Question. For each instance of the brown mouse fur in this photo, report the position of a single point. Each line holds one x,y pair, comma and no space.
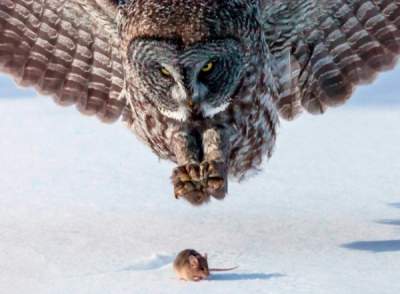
190,265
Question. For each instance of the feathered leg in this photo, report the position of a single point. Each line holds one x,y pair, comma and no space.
186,177
214,166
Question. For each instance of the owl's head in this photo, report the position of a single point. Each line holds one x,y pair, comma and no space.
198,79
186,57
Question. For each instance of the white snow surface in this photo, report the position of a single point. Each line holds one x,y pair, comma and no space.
86,208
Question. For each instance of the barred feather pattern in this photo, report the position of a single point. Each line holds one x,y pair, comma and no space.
294,55
334,46
56,47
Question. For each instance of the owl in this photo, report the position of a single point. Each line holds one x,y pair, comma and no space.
203,83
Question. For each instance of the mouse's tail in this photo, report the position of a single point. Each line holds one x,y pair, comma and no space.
223,269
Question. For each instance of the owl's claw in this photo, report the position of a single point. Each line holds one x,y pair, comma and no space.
197,182
188,184
214,178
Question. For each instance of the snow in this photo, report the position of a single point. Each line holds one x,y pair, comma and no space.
86,208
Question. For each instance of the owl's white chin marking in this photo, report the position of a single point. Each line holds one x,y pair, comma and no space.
183,113
209,110
179,115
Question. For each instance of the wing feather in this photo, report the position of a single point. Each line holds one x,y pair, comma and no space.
65,49
335,46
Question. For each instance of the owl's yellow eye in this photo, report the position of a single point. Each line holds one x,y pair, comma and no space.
208,67
165,72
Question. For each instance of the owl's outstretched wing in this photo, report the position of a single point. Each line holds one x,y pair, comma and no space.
327,48
67,49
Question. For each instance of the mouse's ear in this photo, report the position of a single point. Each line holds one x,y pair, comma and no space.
205,256
194,262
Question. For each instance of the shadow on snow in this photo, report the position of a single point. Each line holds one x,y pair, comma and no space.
393,222
378,245
242,277
375,246
396,204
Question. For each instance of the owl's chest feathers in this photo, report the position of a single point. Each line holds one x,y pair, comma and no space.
249,123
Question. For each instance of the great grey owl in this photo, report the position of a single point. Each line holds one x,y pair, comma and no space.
201,82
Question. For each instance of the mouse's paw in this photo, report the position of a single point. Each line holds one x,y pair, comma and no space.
214,177
188,184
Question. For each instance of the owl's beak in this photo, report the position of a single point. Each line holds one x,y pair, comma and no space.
196,93
192,106
190,103
193,100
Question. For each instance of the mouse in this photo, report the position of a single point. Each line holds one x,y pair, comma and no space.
189,265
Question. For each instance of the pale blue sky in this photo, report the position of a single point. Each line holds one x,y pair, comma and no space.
385,90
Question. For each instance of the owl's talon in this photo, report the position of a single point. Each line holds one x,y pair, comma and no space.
196,183
216,184
214,178
216,188
188,185
197,197
194,172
